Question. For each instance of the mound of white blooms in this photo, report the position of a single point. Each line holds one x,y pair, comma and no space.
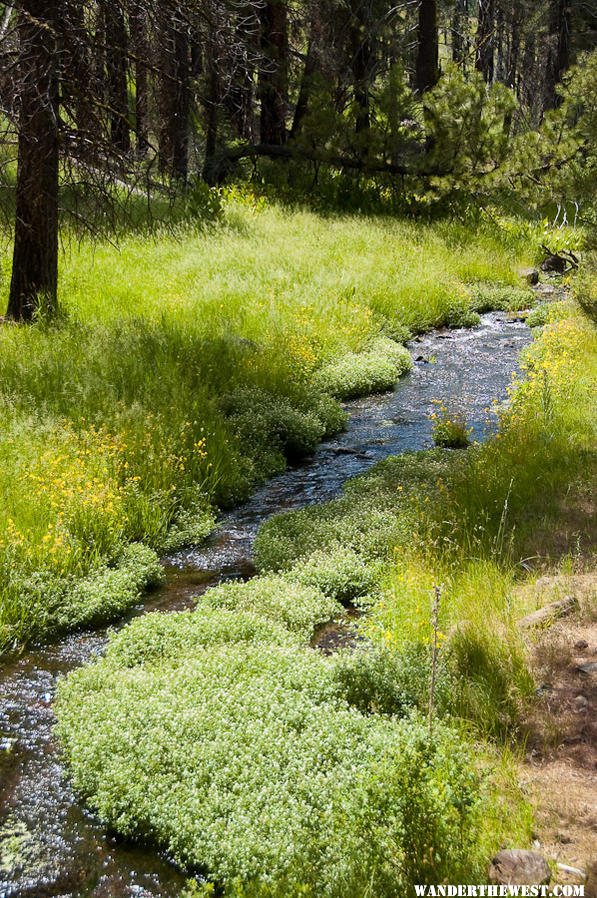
375,370
247,763
299,608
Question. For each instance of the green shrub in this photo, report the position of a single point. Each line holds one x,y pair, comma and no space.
299,608
395,330
501,298
539,316
289,537
331,414
248,766
190,527
460,315
586,288
110,591
449,428
158,638
359,374
338,572
376,512
268,423
55,604
383,680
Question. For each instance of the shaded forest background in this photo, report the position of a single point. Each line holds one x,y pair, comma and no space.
417,108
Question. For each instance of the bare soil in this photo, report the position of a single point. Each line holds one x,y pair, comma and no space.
559,771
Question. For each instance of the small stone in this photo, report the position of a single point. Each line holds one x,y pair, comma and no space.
530,275
581,644
588,669
519,867
580,704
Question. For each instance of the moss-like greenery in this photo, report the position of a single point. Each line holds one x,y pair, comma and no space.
57,604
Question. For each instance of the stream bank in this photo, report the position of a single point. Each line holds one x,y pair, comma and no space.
50,846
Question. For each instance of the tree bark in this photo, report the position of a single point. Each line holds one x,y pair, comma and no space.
211,172
141,53
514,48
362,65
117,69
34,279
485,40
558,54
427,65
176,97
273,76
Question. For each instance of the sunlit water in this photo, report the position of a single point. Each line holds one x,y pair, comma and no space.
49,845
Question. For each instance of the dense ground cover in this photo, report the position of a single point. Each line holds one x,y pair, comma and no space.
186,366
278,771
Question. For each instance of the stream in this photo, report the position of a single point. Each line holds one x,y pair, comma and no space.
50,846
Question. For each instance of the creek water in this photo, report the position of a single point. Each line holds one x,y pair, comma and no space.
50,846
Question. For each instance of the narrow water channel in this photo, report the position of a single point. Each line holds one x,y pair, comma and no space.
50,847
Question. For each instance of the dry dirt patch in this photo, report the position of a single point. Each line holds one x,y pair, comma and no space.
559,771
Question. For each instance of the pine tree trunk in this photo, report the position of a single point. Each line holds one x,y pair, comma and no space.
211,173
273,76
117,67
514,48
35,256
427,64
302,103
182,107
175,96
456,34
362,64
558,51
485,40
141,54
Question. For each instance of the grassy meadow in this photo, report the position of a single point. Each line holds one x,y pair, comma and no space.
273,770
190,363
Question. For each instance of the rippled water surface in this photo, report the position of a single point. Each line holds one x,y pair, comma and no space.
49,846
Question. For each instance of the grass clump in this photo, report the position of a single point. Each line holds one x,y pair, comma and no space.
488,297
300,608
449,428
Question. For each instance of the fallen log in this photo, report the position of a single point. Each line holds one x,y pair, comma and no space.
547,615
